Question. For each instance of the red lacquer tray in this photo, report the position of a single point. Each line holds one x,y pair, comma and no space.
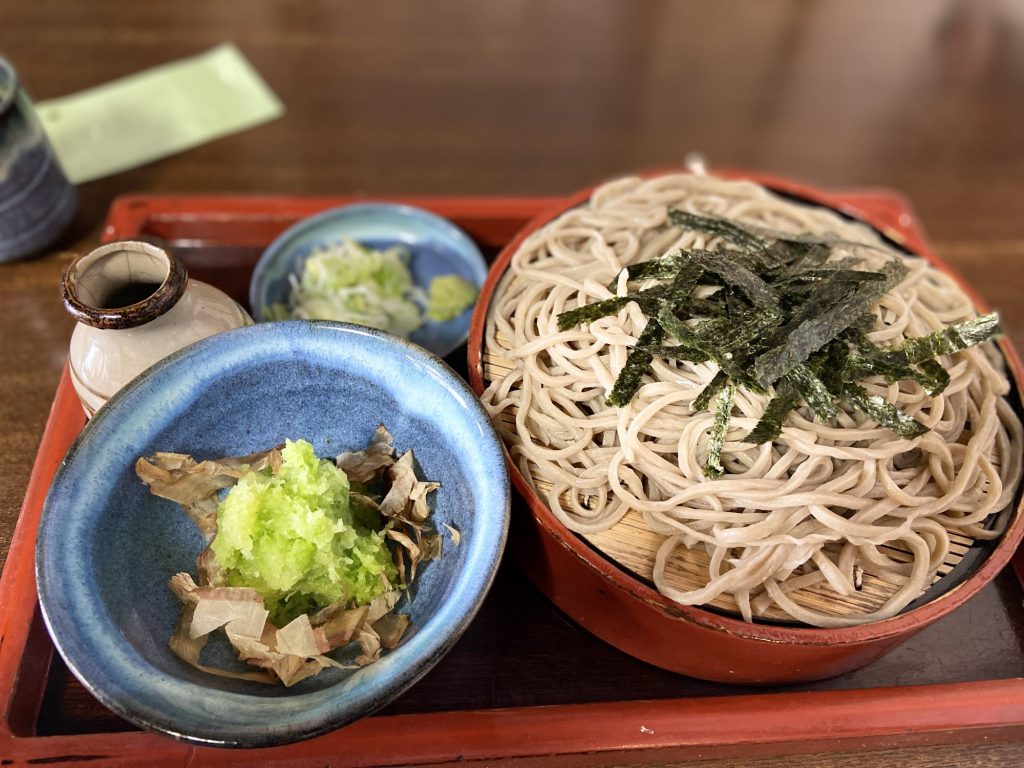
524,685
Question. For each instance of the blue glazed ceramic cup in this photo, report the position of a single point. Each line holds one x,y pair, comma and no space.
36,199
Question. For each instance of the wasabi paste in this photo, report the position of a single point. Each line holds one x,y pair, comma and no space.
449,296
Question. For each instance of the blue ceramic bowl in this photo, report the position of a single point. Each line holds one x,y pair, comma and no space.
437,246
107,547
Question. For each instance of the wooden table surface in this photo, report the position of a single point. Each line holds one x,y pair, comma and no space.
469,98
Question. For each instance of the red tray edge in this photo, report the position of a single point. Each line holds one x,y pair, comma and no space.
758,724
793,722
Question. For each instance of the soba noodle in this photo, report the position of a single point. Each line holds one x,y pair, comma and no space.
824,501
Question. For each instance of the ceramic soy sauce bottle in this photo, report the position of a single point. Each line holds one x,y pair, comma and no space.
135,304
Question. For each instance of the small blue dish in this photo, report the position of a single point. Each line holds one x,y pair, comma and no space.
107,547
437,246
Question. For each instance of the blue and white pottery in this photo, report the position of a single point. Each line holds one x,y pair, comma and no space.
107,547
36,200
437,246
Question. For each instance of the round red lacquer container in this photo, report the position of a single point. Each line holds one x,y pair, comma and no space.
629,614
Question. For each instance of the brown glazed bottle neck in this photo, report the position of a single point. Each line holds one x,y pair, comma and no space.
90,282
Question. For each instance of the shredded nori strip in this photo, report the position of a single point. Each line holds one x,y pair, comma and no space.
816,324
769,426
768,249
808,278
684,283
662,268
776,312
816,256
735,274
866,362
933,377
678,352
738,333
829,365
637,363
713,387
722,340
914,359
718,227
713,466
813,391
953,338
707,308
673,326
884,412
589,312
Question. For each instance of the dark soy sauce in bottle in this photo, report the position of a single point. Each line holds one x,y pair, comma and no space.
128,294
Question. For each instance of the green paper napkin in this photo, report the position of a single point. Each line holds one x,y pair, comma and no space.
156,113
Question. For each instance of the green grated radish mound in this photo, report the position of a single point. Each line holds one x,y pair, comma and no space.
292,537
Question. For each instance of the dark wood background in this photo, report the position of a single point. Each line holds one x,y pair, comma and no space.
528,97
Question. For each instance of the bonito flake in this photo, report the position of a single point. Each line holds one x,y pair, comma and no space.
299,649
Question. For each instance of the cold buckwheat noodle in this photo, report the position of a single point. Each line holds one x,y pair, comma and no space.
825,501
